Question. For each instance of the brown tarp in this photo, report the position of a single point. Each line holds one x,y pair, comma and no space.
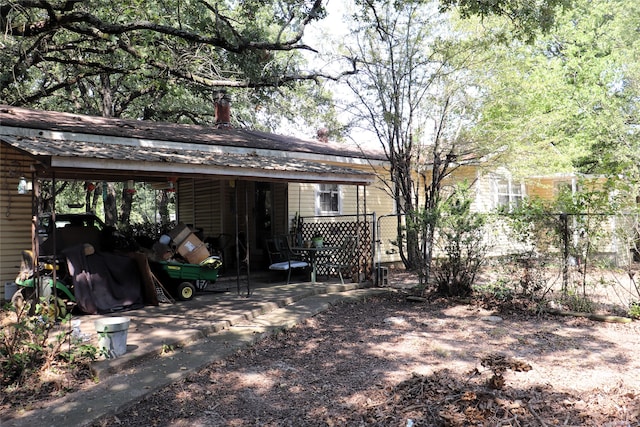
104,282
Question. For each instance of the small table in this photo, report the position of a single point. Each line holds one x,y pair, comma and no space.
312,252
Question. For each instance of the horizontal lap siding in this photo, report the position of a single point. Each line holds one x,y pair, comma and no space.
200,202
15,214
208,206
280,221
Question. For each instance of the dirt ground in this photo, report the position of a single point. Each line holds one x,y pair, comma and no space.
387,361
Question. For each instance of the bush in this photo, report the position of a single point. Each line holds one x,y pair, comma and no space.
498,290
28,346
461,239
634,310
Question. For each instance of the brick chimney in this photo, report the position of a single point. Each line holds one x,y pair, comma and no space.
323,135
223,110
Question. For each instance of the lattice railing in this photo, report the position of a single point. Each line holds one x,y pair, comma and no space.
334,231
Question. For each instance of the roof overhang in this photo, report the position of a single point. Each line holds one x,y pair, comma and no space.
74,158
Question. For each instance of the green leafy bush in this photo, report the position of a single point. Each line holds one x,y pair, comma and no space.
33,341
461,238
634,310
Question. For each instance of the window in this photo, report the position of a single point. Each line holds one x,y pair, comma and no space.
507,192
327,199
564,187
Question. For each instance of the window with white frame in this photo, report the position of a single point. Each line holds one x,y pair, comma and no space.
327,199
507,192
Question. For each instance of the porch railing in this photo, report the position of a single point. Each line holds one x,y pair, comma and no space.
334,231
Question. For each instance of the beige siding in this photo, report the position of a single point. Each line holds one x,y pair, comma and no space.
301,200
484,197
185,201
378,201
381,202
206,204
15,214
542,188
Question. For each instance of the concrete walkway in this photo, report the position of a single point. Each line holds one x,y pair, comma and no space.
170,341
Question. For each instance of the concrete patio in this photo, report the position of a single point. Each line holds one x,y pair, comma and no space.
169,341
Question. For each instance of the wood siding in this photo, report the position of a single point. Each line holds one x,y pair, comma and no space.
15,213
378,201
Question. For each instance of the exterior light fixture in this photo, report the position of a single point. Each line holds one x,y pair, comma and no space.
24,186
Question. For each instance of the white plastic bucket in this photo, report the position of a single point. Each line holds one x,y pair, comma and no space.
112,332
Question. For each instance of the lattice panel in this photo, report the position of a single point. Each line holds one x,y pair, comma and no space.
334,234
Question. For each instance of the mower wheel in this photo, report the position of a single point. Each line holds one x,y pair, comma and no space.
186,291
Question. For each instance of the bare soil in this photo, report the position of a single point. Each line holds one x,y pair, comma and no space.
388,361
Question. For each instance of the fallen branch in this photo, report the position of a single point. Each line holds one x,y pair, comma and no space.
591,316
536,416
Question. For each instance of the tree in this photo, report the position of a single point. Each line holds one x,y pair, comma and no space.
568,102
165,60
153,60
414,90
527,18
462,237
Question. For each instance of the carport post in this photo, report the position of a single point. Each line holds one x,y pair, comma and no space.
54,276
247,249
246,221
35,243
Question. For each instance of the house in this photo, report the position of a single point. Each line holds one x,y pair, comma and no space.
495,187
227,180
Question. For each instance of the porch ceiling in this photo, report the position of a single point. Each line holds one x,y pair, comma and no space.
130,158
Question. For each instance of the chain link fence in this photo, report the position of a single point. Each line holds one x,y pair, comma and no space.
587,255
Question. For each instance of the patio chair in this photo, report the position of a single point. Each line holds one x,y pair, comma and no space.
345,258
282,258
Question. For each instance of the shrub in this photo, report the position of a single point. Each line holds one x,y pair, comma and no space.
634,310
28,345
461,239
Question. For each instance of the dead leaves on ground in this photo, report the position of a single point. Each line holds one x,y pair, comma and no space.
498,364
448,399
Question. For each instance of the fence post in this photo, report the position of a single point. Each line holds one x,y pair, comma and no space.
564,219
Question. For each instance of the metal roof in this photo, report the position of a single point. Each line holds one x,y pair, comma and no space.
85,146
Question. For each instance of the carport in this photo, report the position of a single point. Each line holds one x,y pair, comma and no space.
72,147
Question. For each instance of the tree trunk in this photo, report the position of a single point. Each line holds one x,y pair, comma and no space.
163,206
125,208
97,192
110,208
107,96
